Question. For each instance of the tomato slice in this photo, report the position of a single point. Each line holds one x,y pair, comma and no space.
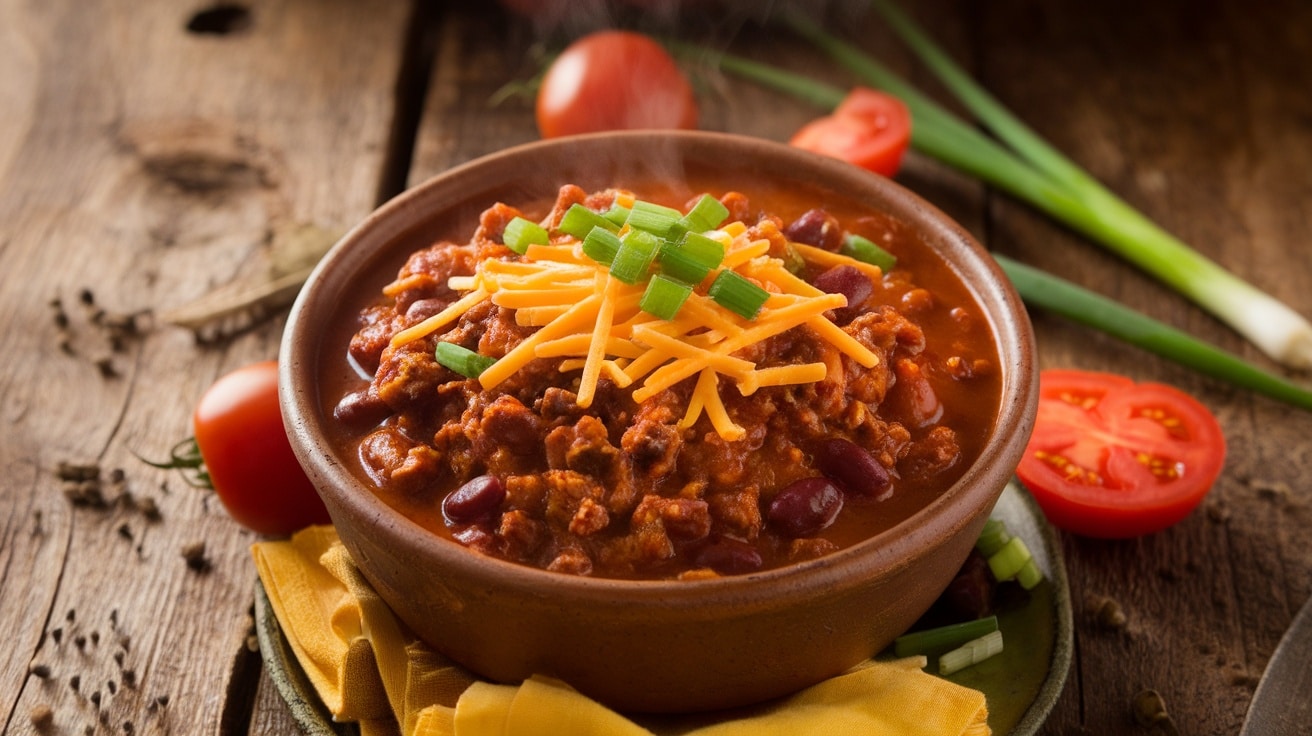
869,128
1114,459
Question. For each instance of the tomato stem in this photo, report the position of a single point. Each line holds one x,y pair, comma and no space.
185,458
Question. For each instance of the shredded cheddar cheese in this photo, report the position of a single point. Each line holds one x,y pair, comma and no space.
591,322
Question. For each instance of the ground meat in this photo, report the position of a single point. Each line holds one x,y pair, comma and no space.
653,441
566,491
520,535
571,561
737,512
937,452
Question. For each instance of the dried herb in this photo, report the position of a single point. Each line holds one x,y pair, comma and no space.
194,554
42,716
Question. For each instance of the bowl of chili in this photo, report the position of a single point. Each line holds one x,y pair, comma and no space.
675,503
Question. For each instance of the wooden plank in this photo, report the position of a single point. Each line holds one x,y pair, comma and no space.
475,53
1194,117
147,164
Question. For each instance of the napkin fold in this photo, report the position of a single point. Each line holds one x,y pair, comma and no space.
367,667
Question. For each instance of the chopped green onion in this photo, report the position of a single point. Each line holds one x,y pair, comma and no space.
865,250
691,258
1040,289
1030,575
579,221
970,653
1007,562
1008,557
601,245
735,293
1037,173
637,250
520,234
653,218
664,296
707,214
464,361
992,537
944,637
617,214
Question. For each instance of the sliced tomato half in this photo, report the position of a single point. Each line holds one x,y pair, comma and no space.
869,128
1112,458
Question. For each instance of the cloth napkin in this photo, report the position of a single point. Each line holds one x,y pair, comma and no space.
367,667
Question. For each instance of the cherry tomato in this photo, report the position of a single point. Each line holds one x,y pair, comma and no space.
239,431
612,80
870,129
1112,458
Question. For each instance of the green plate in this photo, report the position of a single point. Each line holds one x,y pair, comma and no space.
1021,684
1024,681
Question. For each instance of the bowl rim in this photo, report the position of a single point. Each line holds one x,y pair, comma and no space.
835,572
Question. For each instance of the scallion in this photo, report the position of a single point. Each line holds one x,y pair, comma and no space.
601,245
579,221
653,218
664,296
617,214
864,249
1029,575
464,361
1037,173
637,250
706,214
1008,561
521,233
992,538
942,638
691,258
735,293
1042,290
971,653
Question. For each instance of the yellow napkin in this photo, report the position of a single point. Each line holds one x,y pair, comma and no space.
367,667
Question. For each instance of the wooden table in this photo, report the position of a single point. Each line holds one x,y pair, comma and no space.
150,153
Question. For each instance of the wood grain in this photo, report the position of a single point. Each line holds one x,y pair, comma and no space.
146,164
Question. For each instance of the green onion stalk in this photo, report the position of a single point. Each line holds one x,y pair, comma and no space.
1033,171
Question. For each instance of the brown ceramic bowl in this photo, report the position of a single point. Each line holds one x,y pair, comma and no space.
645,646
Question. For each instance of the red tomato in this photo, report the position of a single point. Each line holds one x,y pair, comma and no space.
613,80
239,432
1112,458
870,129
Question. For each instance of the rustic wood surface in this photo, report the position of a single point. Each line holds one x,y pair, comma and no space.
144,163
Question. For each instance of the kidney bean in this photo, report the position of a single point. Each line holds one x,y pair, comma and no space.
422,309
849,282
805,507
852,467
728,556
816,227
912,396
361,408
474,500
